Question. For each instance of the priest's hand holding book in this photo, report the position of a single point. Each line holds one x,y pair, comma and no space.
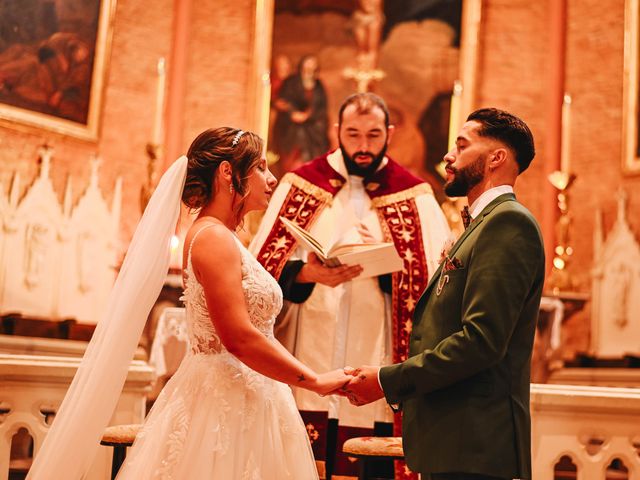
343,262
314,271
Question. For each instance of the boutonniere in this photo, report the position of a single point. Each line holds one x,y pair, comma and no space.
448,265
451,263
446,248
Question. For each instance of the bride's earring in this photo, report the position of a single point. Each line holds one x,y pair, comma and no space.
231,188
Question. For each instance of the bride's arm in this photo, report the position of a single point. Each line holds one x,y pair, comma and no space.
216,261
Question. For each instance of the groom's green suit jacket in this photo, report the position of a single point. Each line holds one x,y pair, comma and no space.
464,390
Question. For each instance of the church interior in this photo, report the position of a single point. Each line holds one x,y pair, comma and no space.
84,143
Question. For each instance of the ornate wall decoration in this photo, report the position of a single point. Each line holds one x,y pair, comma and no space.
58,260
616,289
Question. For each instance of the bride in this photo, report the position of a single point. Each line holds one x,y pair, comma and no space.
228,412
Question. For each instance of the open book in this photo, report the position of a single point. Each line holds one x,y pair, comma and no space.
374,258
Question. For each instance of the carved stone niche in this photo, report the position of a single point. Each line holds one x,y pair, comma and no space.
57,260
615,314
35,374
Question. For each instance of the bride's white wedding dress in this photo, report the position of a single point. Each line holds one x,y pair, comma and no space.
217,418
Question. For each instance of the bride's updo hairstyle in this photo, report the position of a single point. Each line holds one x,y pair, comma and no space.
243,150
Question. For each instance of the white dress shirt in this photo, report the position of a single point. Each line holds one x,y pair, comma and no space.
486,198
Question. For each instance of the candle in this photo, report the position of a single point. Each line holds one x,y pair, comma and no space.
454,114
566,134
157,134
176,252
265,107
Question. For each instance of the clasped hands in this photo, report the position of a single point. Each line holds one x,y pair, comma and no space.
359,385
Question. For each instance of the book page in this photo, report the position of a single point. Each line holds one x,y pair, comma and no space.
343,249
305,238
378,259
375,258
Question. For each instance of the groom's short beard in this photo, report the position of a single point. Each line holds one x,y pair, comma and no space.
464,179
361,171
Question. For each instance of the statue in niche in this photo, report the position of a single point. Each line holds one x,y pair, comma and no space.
620,301
86,252
36,242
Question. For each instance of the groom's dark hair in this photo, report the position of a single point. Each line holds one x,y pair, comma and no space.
508,129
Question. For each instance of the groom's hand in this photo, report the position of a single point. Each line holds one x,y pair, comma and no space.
364,387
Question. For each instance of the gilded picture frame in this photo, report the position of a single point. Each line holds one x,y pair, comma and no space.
53,63
630,113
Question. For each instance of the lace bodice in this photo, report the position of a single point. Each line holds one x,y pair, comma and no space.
262,294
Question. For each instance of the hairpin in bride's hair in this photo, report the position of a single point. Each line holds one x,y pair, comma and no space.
236,139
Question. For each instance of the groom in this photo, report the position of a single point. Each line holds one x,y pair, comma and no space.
464,391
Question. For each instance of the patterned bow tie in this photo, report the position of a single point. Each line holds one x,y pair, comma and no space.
466,216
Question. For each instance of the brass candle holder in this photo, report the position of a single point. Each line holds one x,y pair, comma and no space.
153,152
559,279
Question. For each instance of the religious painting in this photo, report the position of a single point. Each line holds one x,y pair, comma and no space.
631,92
52,63
410,52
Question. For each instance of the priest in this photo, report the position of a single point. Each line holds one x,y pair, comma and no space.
334,318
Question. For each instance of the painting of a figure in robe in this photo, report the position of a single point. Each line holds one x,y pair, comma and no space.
300,127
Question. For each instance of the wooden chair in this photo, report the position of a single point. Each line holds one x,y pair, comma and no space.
372,449
119,437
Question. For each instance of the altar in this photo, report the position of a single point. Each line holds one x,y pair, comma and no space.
35,374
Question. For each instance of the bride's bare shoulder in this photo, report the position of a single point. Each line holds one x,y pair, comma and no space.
212,245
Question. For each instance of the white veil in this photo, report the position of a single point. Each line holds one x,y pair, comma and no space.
72,441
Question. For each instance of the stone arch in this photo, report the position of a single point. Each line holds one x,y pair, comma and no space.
565,467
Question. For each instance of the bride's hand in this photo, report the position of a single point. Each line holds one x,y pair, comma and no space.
329,382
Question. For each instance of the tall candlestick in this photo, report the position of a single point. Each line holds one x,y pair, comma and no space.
158,121
566,134
454,114
265,102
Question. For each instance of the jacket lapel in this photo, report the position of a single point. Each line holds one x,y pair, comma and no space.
472,226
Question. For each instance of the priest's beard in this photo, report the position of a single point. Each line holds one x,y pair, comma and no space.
361,171
464,179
